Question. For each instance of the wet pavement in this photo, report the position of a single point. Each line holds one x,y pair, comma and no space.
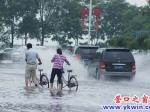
92,93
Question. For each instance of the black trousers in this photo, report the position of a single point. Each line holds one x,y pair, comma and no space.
59,75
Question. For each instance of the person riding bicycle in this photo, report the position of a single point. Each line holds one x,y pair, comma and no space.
58,61
31,58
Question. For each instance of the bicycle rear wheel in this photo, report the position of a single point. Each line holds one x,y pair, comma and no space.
73,83
44,82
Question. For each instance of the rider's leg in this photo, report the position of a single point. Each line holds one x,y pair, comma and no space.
51,85
30,74
30,80
52,78
26,82
61,83
27,75
59,75
34,78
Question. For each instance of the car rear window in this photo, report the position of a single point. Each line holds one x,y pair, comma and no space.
86,50
115,55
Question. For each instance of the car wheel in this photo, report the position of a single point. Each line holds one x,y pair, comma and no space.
97,73
131,77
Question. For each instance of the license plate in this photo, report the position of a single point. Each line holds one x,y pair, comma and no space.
118,67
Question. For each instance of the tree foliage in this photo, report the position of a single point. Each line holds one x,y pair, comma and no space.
121,23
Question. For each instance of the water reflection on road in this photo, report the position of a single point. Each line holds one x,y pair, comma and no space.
91,94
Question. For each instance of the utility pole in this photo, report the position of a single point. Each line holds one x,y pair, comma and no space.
90,18
42,22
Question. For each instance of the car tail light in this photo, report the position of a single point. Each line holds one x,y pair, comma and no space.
78,56
102,65
133,66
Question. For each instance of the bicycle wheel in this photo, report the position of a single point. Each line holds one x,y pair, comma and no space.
73,83
44,82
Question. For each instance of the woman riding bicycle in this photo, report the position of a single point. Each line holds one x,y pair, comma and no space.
58,61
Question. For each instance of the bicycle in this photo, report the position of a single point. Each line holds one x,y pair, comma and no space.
42,80
71,82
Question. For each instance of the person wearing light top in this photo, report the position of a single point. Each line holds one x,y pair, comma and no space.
31,58
58,61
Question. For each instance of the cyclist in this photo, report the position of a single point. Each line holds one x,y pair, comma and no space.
31,58
58,61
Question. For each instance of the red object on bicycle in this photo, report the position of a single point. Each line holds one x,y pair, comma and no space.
78,56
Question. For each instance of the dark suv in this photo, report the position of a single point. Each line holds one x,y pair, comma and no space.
117,62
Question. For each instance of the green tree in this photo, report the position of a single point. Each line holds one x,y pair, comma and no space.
11,13
65,23
71,21
147,43
113,22
29,27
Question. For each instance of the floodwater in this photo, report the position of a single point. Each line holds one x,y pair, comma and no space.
91,96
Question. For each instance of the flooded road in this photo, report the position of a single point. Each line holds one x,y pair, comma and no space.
92,93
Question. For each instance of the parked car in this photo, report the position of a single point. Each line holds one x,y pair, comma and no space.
2,46
6,53
116,62
13,54
8,50
85,53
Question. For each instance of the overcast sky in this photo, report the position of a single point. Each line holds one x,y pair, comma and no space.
137,2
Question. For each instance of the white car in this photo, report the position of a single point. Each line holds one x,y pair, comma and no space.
13,54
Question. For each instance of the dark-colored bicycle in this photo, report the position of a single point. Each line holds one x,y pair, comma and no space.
43,81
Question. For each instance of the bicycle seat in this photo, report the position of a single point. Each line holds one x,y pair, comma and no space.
69,70
40,69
